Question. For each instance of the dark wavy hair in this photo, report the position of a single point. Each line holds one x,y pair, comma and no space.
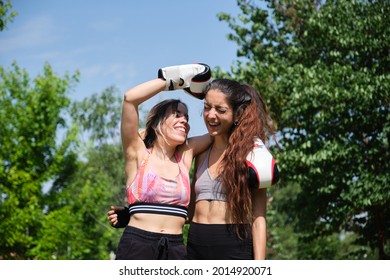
157,115
252,120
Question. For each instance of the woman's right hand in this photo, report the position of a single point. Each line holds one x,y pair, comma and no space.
118,216
112,217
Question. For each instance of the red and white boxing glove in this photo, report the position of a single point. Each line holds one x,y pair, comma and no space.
193,78
263,171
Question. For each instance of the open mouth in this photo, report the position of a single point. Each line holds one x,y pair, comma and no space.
214,124
181,129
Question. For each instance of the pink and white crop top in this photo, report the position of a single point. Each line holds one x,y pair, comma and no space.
151,193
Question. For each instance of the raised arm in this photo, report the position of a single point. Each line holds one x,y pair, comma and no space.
133,145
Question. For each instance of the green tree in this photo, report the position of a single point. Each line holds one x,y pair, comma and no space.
62,167
323,67
76,225
99,116
6,15
31,116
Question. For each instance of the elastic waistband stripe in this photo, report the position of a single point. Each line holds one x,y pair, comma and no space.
163,209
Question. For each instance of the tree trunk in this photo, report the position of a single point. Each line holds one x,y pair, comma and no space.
379,222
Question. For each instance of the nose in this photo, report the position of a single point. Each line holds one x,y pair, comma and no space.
212,113
183,119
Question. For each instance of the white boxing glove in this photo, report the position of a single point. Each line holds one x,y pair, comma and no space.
263,171
193,78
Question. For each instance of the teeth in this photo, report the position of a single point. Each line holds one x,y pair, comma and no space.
213,123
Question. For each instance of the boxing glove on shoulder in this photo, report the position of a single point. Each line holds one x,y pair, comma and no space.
263,170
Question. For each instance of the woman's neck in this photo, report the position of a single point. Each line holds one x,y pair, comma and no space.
164,153
220,143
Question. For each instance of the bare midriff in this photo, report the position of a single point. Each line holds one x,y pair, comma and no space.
211,212
158,223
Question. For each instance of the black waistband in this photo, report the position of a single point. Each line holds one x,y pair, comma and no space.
142,235
158,208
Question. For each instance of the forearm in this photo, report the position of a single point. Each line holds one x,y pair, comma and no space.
144,91
259,233
259,227
130,118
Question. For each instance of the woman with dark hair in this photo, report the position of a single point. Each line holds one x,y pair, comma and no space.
229,216
157,167
229,198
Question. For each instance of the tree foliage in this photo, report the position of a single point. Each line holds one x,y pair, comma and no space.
323,67
6,15
99,116
31,116
55,189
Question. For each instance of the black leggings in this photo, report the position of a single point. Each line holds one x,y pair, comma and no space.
138,244
218,242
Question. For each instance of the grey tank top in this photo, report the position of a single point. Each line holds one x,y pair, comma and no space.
205,187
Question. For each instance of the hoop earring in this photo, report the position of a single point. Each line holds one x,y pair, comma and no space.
236,122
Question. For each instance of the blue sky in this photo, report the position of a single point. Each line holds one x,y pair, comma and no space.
121,43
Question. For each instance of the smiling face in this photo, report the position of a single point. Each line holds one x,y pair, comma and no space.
217,113
175,127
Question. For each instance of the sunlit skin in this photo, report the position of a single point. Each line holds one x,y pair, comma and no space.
171,137
218,117
175,130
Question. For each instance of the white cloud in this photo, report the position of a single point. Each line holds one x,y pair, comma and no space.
117,73
37,32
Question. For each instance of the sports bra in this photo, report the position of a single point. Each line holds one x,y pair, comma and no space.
205,187
151,193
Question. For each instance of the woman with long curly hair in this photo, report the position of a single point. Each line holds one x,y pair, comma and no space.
229,199
229,215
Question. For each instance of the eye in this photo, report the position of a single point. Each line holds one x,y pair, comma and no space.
179,114
221,110
206,108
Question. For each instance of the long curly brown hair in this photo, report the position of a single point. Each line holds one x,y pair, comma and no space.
252,120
